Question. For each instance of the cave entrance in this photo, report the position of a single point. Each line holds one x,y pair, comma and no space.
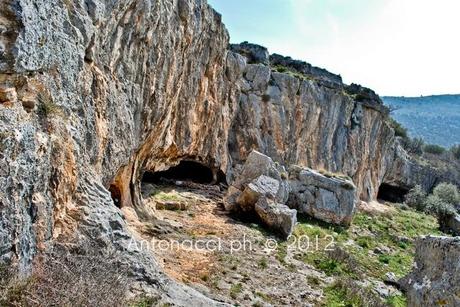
116,195
184,171
391,193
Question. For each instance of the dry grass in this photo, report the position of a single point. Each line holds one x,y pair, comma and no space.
83,277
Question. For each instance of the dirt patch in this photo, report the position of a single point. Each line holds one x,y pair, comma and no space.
224,258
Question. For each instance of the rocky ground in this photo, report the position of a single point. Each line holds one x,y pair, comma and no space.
239,262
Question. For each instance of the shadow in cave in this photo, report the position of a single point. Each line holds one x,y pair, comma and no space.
184,171
115,192
391,193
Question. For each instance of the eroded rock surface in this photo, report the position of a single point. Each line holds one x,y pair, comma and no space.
328,198
435,279
300,115
94,93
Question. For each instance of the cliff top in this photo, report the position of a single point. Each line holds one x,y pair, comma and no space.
256,54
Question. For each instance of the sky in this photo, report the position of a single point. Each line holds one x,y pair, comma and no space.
396,47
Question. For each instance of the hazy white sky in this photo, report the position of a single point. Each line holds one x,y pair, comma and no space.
396,47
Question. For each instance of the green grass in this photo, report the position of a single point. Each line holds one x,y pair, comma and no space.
144,302
235,289
338,297
395,231
264,296
292,72
167,196
397,301
46,106
263,263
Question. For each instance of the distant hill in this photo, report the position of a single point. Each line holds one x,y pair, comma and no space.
434,118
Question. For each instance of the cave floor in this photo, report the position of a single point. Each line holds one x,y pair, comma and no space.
242,263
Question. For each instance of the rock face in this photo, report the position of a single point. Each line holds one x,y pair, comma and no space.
299,115
405,172
105,90
331,199
435,280
94,93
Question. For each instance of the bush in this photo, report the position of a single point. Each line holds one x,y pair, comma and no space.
413,146
436,206
416,197
68,278
434,149
398,128
448,193
455,150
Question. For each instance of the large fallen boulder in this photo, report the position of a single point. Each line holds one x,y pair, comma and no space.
257,176
327,197
262,188
276,216
435,280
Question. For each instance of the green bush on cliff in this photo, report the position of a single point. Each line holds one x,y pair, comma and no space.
455,150
436,206
398,128
413,146
434,149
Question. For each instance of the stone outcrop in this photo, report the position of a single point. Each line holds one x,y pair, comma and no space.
265,187
328,197
262,188
406,172
435,280
276,216
254,53
452,224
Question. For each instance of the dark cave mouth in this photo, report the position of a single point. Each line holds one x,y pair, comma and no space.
186,170
392,193
115,193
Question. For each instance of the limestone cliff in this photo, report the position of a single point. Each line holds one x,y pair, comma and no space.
307,116
93,93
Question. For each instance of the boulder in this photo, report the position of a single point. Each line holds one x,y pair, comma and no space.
276,216
262,186
256,165
435,279
328,197
452,224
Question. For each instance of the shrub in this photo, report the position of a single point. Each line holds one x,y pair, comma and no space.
46,106
434,149
85,277
398,128
415,198
455,150
448,193
235,289
266,97
413,146
436,206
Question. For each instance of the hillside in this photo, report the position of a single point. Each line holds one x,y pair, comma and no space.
434,118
